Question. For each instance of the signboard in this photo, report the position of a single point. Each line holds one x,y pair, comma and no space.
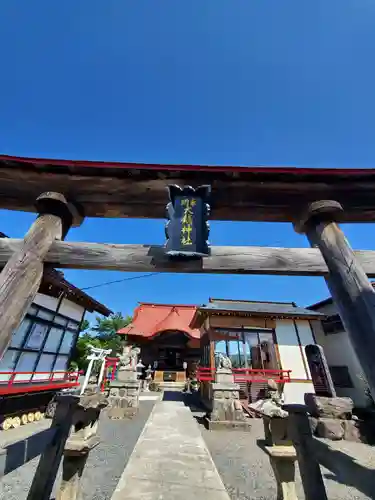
320,373
187,229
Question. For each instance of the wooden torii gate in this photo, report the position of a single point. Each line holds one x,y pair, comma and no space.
63,192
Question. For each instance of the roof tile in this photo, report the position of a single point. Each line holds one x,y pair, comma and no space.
151,319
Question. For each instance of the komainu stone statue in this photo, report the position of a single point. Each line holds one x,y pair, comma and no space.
128,362
124,391
224,362
271,405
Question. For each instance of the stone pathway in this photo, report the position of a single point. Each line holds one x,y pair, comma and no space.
170,460
150,396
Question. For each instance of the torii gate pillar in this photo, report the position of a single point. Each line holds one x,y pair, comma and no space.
21,277
350,288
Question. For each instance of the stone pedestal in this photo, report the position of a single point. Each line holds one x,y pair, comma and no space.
126,375
282,455
82,439
283,459
123,398
70,487
224,376
227,412
276,431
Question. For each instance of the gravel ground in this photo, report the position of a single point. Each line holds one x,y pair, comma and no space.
247,474
104,466
242,464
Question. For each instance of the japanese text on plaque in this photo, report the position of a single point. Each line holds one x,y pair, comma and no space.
187,220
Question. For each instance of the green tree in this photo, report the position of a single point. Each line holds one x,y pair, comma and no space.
106,330
82,350
84,326
102,335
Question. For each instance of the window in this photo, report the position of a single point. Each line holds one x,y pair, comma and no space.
37,335
60,366
220,346
332,325
7,364
205,358
26,363
54,339
73,325
60,320
46,314
19,335
42,343
261,349
250,348
45,364
33,310
341,377
234,349
67,342
248,355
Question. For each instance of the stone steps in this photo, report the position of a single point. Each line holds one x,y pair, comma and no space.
171,386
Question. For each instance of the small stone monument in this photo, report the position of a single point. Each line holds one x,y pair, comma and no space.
227,412
147,380
124,391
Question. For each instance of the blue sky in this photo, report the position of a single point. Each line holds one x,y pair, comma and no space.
265,82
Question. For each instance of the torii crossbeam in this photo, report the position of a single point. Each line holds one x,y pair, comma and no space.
63,192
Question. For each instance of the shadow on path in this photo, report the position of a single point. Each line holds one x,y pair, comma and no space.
345,469
173,396
191,400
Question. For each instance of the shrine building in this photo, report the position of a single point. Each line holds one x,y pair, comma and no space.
165,337
263,340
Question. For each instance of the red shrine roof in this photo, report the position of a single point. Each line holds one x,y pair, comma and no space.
152,319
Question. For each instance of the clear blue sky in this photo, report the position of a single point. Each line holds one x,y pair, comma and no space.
270,82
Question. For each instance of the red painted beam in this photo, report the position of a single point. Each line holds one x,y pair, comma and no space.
186,168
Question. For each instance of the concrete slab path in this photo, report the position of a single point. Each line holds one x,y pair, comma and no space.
170,460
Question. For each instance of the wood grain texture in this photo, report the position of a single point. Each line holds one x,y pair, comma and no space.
45,475
237,194
152,258
21,277
351,291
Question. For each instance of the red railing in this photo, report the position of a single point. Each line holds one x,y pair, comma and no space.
205,374
10,382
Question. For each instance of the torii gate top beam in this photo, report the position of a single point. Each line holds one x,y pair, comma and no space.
102,189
